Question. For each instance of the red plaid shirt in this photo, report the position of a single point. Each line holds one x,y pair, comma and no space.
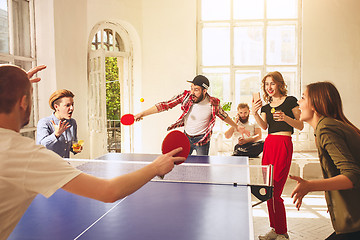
185,99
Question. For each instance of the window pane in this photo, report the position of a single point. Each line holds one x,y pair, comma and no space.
119,43
105,36
215,46
113,108
95,42
290,77
280,9
246,83
236,65
248,45
23,64
219,79
4,28
245,9
111,37
106,39
281,45
22,42
215,10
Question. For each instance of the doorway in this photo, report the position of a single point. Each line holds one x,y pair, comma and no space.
109,88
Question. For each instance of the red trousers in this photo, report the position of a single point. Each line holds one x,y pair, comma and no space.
278,151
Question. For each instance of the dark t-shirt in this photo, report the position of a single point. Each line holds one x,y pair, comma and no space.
280,126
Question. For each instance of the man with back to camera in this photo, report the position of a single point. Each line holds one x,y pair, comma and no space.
27,169
252,145
199,114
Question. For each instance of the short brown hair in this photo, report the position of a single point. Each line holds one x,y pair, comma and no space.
57,96
14,84
243,105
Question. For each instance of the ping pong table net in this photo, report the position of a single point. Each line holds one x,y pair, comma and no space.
257,177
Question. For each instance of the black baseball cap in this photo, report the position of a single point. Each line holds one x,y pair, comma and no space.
201,81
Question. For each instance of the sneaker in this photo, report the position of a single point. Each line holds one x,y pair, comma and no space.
272,235
282,237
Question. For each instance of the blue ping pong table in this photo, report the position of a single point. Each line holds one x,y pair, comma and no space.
159,210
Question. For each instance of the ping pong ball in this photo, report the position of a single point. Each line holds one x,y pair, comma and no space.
141,99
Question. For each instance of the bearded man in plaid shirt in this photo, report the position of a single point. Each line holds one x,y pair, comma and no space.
199,114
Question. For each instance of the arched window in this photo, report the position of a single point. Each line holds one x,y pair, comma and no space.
108,41
110,89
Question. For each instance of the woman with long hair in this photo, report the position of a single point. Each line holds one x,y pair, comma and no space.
337,141
280,116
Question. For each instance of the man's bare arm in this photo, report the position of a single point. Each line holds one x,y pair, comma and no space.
110,190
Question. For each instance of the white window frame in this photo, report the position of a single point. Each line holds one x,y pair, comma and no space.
262,68
30,61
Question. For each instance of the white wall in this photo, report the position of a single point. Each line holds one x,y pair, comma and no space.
45,50
71,57
164,37
61,45
128,14
331,49
169,60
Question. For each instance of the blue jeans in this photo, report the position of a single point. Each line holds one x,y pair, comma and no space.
200,150
252,150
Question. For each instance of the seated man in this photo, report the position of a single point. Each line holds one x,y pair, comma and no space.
250,146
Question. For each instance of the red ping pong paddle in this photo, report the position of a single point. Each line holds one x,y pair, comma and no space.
127,119
176,139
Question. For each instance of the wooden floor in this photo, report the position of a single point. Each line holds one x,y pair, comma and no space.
312,222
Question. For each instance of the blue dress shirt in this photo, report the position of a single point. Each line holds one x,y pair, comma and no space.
46,136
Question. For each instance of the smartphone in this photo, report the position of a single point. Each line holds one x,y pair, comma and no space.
256,96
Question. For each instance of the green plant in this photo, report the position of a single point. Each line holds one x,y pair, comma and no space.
227,106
